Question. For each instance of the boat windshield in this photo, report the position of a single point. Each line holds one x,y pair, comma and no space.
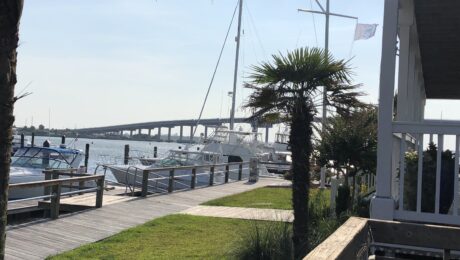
41,157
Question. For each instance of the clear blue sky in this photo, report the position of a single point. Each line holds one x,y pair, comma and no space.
95,63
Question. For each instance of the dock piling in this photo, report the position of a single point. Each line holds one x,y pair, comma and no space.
145,183
240,171
155,152
227,172
171,181
86,156
22,140
211,176
100,192
193,181
126,156
32,142
55,201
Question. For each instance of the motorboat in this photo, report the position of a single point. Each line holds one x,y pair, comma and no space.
224,146
28,164
279,154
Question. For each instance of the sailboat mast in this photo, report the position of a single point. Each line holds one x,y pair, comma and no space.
235,74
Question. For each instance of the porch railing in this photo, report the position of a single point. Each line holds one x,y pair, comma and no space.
425,171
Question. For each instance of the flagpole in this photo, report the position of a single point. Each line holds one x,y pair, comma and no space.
327,14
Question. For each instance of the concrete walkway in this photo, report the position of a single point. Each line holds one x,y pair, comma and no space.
43,238
241,213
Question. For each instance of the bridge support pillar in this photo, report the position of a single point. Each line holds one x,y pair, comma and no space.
159,134
130,133
191,133
205,131
169,134
181,132
267,129
139,131
150,132
121,133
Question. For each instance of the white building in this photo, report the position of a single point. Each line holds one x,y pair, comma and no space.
427,33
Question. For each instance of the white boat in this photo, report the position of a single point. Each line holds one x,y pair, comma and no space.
224,146
279,155
28,163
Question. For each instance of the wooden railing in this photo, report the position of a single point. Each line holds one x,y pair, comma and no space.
145,179
421,132
55,190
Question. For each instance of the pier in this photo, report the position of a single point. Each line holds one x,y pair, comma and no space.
45,237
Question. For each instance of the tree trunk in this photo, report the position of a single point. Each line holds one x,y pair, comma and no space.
10,13
301,148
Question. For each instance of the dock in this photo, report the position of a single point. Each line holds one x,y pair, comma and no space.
42,238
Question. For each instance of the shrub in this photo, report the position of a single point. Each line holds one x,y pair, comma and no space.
429,180
342,201
265,240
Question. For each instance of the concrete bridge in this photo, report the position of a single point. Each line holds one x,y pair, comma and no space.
151,126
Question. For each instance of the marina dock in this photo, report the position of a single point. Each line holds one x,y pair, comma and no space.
45,237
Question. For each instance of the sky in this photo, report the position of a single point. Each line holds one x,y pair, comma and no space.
105,62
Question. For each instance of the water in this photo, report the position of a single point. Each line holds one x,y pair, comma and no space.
110,151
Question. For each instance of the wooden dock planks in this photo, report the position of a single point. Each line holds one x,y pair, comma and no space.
40,239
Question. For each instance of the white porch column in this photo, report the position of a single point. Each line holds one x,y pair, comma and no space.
382,206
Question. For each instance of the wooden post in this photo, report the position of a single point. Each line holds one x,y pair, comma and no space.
47,189
155,152
22,140
100,192
446,254
171,181
193,182
63,139
211,176
253,169
126,156
32,142
145,183
240,171
86,156
55,201
227,172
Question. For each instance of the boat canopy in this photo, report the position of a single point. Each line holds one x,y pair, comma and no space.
46,157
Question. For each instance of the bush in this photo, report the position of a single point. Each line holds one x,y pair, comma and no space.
288,175
429,180
342,201
265,240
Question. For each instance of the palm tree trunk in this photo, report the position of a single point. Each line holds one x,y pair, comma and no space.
10,13
301,148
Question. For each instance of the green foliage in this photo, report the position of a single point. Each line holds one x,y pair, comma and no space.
290,87
362,207
342,201
429,180
264,240
349,143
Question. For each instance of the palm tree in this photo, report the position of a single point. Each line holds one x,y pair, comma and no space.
10,14
289,88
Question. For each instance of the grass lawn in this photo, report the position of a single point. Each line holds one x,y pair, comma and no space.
171,237
272,198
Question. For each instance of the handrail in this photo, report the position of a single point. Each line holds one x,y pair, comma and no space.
447,127
193,166
47,183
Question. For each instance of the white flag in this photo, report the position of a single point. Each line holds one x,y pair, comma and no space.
365,31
